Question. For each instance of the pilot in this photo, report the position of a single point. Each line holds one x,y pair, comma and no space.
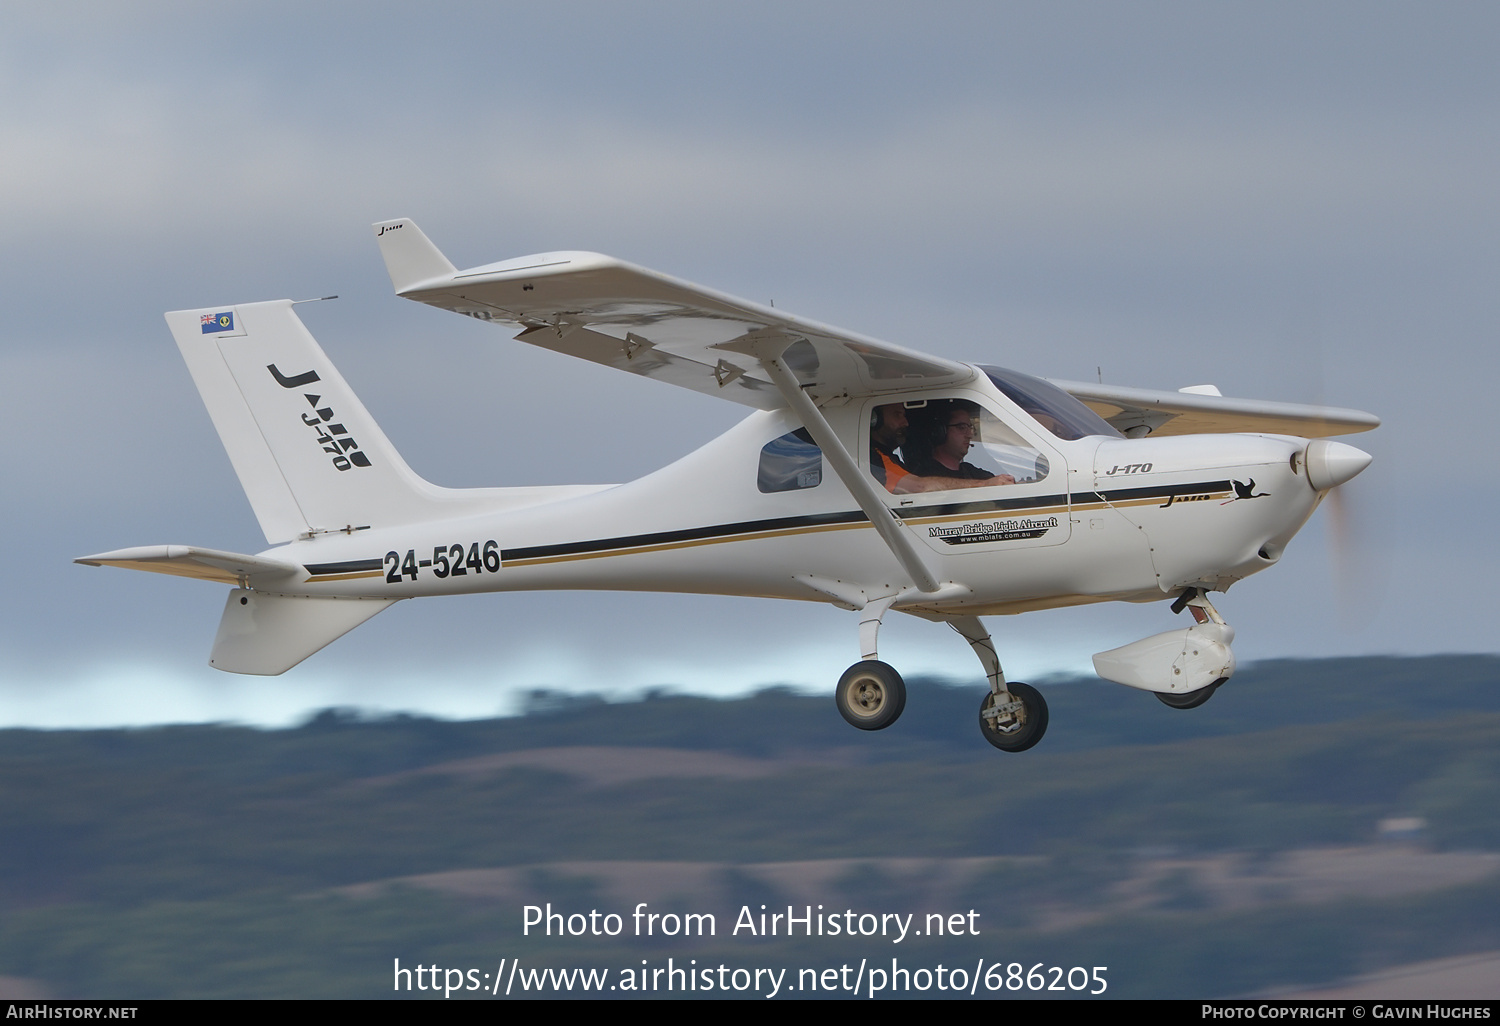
950,431
888,428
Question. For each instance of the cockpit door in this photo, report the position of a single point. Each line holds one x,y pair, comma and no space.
981,480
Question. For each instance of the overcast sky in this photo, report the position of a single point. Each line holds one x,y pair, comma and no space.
1291,201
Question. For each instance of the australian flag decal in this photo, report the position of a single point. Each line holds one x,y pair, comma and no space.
218,322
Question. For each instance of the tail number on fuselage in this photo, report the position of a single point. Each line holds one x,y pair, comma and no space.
446,561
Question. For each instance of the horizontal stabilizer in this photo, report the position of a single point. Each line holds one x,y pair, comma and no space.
204,564
269,634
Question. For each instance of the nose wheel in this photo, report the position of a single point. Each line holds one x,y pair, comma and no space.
871,695
1015,719
1191,700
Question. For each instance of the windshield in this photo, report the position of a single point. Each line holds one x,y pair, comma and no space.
1051,407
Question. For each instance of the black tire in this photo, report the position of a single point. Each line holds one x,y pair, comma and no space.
1023,735
871,695
1191,700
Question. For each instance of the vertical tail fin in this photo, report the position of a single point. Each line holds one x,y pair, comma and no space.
410,256
308,454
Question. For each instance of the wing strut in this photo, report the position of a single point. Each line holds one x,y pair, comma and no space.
891,530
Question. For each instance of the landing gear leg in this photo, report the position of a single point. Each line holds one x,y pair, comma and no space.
1197,603
1012,717
871,694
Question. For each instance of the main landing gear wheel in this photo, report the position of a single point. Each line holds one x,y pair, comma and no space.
1020,728
871,695
1191,700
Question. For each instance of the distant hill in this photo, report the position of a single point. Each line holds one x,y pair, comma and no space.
239,852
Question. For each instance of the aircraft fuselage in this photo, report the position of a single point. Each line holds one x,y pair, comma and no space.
1113,518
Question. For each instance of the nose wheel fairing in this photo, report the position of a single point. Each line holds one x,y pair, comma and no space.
1176,663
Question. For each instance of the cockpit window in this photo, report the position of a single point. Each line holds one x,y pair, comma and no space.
1051,407
790,462
948,443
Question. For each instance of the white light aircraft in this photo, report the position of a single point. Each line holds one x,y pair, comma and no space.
869,476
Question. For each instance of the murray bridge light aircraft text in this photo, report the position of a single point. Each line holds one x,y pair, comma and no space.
869,476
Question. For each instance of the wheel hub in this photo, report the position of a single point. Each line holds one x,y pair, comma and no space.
1015,719
1006,717
870,695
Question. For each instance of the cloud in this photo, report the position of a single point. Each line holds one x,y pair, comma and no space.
1295,203
151,162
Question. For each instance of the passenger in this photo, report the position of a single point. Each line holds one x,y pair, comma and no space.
950,432
888,429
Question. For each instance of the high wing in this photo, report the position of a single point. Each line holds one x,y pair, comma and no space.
1139,411
620,315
